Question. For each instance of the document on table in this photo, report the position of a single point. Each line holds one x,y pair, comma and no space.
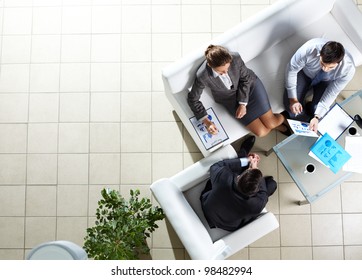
353,146
301,128
335,122
330,153
209,140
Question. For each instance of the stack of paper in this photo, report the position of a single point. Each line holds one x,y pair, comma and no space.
353,147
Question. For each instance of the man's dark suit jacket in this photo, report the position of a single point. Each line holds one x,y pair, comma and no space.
242,78
224,206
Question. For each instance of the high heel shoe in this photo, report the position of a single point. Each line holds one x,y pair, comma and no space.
286,131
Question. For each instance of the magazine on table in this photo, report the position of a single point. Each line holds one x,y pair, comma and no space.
209,140
330,153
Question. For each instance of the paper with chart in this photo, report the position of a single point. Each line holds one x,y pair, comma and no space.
208,139
301,128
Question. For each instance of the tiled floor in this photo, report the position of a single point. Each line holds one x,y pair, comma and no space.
82,107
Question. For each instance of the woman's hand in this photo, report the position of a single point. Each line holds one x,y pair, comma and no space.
241,111
210,126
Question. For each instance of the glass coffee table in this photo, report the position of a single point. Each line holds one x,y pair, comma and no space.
293,154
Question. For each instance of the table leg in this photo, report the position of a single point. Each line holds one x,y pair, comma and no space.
302,202
267,153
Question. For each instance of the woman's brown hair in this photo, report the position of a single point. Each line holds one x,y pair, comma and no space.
217,56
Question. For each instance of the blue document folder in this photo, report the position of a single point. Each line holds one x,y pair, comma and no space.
330,152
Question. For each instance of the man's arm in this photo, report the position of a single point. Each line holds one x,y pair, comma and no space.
331,92
236,165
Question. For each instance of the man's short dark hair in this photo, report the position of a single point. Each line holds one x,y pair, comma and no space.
249,181
217,56
332,52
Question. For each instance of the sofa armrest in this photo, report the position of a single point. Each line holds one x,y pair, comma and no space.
199,171
185,222
349,17
250,233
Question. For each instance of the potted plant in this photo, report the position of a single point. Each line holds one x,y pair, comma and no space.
121,226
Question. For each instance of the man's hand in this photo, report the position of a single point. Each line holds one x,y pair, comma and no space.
241,111
313,125
254,160
210,126
295,106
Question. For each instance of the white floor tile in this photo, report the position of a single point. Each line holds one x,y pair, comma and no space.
43,138
136,47
106,48
75,77
43,107
73,138
14,78
74,107
44,77
105,107
47,20
73,169
17,21
76,48
105,77
173,43
136,76
45,48
166,18
76,20
197,20
13,138
16,49
136,19
220,23
106,19
105,138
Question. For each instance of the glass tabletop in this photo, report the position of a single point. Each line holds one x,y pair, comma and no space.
293,154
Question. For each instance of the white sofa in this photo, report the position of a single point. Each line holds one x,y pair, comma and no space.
266,42
179,197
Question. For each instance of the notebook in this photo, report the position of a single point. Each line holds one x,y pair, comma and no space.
335,122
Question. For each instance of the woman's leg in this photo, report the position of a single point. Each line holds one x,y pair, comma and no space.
271,120
258,128
265,123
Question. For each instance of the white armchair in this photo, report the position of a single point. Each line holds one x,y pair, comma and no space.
179,198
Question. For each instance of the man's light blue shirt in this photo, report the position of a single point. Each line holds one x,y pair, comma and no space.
307,58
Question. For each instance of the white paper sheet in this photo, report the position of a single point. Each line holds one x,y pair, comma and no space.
353,146
335,122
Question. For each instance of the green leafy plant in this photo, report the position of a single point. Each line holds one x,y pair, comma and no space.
121,227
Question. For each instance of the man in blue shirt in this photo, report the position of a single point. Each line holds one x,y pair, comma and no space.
326,67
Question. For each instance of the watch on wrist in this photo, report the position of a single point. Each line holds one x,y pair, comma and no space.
316,116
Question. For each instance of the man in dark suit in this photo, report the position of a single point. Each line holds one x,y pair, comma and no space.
237,192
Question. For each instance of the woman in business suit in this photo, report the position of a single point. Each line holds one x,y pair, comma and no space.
237,88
